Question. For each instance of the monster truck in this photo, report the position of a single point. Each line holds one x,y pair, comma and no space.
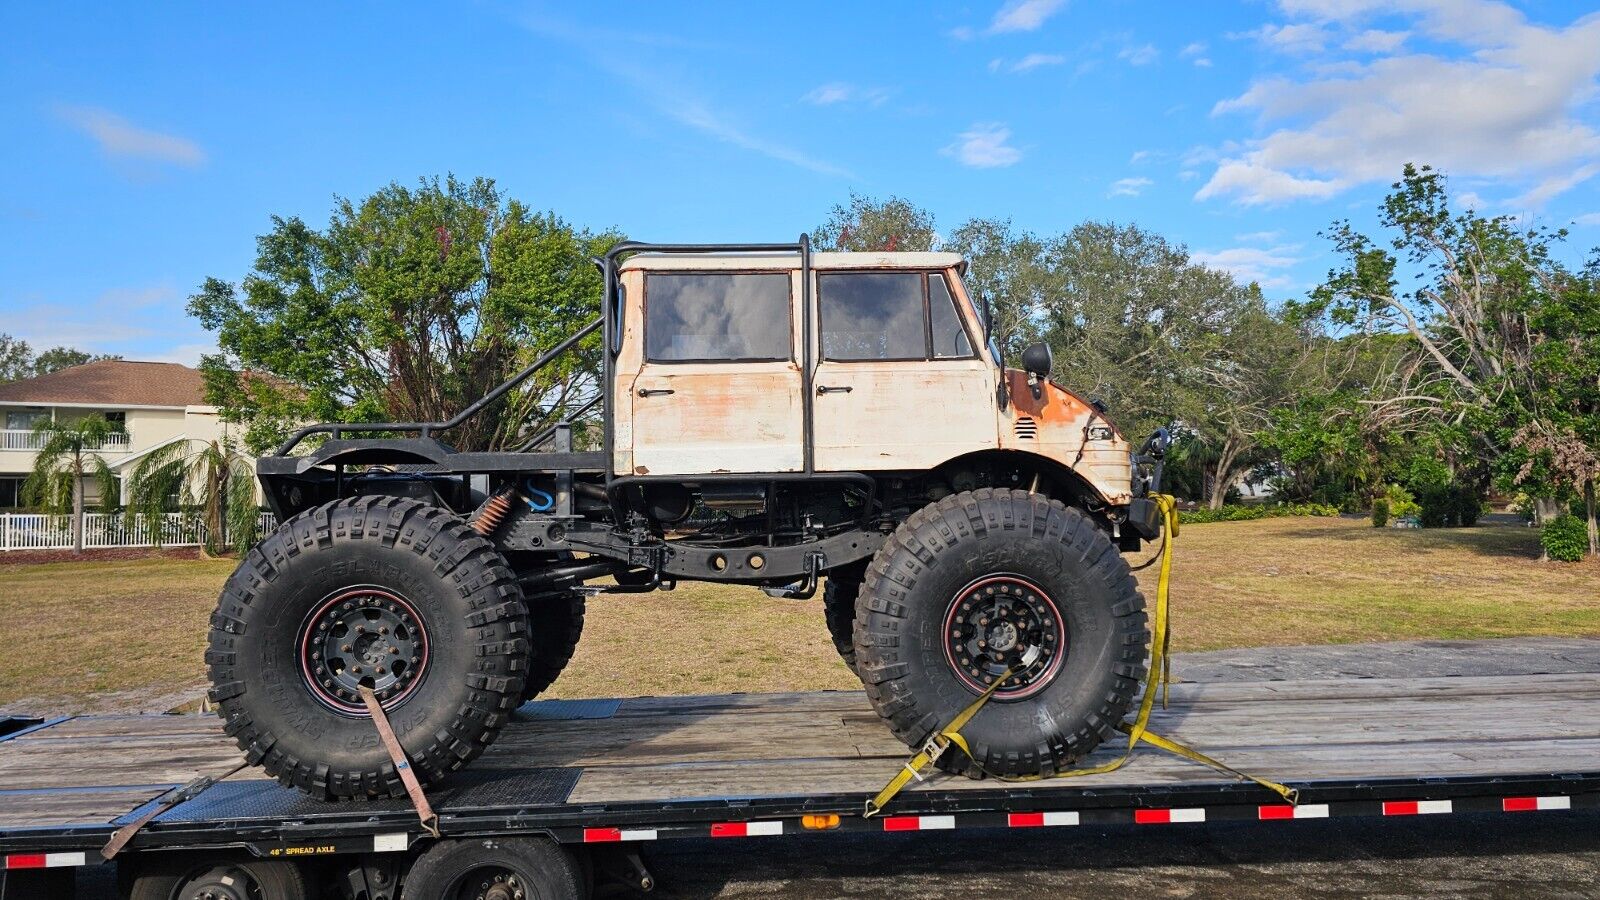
764,415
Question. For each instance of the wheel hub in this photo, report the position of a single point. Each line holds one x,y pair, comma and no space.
1005,622
363,637
222,883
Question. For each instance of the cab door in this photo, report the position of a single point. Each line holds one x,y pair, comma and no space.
900,384
716,388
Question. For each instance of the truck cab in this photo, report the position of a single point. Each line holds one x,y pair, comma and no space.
722,358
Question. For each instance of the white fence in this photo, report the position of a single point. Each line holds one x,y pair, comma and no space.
35,531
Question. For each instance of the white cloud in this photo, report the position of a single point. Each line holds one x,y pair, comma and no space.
1587,219
1258,237
835,92
1140,156
983,146
1203,62
1264,266
1293,39
1036,60
1198,48
1375,41
1128,187
1139,56
700,117
1496,102
1024,15
1541,193
118,137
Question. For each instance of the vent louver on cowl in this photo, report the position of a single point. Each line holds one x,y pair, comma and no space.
1026,429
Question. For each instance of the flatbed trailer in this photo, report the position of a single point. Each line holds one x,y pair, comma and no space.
616,773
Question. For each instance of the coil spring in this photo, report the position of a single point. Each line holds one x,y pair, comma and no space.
492,513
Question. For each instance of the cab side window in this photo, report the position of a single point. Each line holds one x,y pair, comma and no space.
717,316
950,340
889,316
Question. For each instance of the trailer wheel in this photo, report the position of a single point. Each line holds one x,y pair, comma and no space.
993,580
187,877
839,608
555,623
379,592
496,869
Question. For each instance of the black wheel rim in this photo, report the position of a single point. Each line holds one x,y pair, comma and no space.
489,883
220,883
363,637
1001,622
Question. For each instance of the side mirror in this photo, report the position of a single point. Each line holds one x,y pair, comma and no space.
988,320
1036,361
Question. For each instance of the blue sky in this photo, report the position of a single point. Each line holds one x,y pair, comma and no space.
146,147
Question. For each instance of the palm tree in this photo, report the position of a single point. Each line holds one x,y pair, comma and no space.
67,453
212,475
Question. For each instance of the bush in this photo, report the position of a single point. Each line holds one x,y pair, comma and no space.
1565,538
1263,511
1402,505
1437,502
1465,507
1380,512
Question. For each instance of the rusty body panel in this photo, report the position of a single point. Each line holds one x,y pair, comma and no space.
1063,426
874,416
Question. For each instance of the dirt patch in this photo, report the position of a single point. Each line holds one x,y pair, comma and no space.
32,557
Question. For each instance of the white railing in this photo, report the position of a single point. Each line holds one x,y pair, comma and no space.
28,439
36,531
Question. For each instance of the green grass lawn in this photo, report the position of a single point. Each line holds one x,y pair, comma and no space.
129,634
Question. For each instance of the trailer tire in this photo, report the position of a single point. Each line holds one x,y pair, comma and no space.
555,623
452,870
839,608
186,876
394,576
987,580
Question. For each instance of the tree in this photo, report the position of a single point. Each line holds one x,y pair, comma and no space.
410,305
212,475
1479,315
17,360
867,225
65,457
1006,270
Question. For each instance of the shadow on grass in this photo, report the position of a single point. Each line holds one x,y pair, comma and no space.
1502,541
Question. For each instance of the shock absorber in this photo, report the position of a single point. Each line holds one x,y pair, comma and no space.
492,513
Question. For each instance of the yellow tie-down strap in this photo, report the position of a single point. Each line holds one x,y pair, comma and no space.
1138,730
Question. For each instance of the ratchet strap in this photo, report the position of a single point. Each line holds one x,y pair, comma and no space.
121,837
425,813
1138,730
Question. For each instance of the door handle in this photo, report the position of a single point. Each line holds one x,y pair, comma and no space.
655,392
829,389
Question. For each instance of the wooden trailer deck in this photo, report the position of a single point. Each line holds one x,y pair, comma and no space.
90,771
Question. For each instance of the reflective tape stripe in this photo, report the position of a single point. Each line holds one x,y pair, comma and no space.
44,860
1416,807
1531,804
1166,816
919,823
609,835
1041,820
1285,811
746,829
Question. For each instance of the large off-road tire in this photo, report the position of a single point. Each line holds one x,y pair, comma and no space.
383,591
555,623
839,608
531,868
1020,573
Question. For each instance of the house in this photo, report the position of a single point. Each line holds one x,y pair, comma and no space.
157,404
